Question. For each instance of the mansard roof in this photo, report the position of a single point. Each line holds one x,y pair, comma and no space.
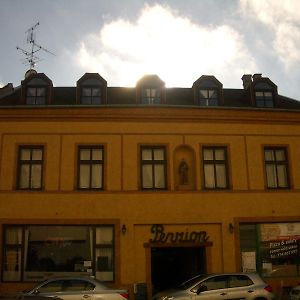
174,96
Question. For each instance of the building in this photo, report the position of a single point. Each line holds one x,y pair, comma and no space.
145,187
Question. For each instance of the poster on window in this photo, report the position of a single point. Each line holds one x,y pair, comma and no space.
280,240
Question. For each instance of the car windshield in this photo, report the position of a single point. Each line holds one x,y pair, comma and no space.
191,282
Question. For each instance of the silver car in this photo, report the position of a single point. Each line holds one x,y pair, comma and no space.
248,286
76,288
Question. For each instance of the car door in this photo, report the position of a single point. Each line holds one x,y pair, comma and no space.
214,287
240,287
67,289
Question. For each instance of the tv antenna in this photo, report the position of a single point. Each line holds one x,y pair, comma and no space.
30,55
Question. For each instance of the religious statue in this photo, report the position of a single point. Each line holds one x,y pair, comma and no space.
183,172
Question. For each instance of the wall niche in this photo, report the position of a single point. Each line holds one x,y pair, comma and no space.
184,163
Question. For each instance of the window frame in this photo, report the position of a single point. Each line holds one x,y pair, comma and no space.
150,100
214,163
35,96
31,163
21,246
276,163
91,97
207,100
90,163
153,163
264,99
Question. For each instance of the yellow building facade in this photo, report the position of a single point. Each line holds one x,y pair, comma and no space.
184,189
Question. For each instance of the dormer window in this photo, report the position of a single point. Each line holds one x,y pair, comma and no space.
207,91
91,95
208,97
264,91
36,89
91,89
151,95
150,90
36,95
264,99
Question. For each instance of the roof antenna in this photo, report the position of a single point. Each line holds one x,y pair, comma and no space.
30,58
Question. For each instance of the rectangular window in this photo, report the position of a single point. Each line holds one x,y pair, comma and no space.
36,95
215,167
208,97
271,249
90,167
91,95
30,168
32,251
276,165
264,99
153,167
150,96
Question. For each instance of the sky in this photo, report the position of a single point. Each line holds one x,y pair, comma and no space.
179,40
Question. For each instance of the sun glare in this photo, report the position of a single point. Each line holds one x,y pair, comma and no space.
162,42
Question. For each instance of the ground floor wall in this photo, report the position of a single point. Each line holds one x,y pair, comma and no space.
147,233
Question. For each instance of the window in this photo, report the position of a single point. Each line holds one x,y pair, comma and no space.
276,165
32,251
271,249
151,95
264,99
208,97
215,168
153,167
36,95
30,168
90,170
91,95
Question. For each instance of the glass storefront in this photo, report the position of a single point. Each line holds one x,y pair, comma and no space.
33,252
272,249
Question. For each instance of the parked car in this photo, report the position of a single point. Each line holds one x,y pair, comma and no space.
75,288
295,293
248,286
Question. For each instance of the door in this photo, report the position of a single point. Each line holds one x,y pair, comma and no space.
171,266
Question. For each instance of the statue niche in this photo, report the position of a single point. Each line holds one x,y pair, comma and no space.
184,168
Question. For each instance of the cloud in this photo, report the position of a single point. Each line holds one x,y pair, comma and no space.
282,17
161,41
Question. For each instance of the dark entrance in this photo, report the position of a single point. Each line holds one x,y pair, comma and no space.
171,266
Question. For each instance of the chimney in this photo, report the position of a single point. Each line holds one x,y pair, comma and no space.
247,80
256,76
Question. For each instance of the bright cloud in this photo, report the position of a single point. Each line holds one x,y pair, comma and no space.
162,42
283,19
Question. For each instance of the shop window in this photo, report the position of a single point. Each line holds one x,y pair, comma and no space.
31,252
153,167
215,167
90,168
276,167
272,249
150,95
30,168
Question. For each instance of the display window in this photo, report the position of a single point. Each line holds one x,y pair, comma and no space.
272,249
32,252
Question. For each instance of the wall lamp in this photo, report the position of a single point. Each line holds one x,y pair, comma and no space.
123,229
230,227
